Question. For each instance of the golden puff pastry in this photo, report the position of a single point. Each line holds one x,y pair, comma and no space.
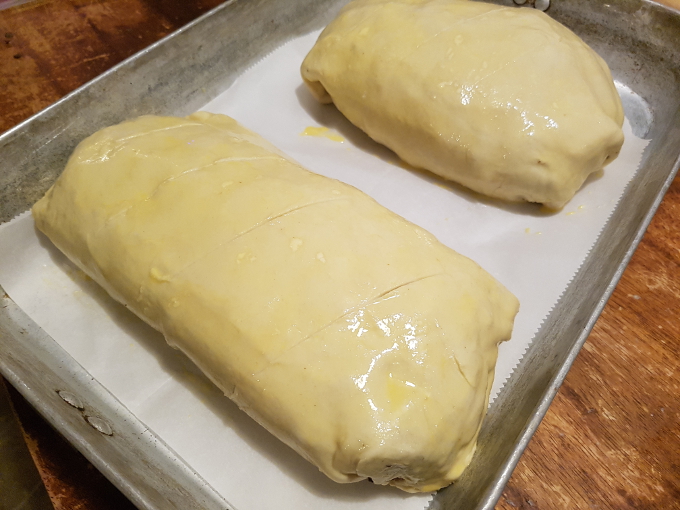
503,100
351,334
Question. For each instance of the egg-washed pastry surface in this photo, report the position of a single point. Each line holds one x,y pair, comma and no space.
351,334
503,100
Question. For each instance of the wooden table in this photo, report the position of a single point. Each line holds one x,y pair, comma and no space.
611,439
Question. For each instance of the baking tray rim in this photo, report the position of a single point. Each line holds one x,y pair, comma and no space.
12,322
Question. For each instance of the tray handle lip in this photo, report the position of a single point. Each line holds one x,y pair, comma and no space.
39,382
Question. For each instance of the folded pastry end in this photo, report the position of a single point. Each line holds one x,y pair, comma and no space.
503,100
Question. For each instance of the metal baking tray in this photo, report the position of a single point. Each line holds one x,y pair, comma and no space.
187,69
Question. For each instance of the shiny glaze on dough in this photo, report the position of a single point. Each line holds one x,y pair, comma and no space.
351,334
503,100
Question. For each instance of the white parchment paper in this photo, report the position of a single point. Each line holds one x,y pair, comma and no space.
533,252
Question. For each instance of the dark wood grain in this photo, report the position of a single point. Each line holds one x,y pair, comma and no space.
611,439
51,48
